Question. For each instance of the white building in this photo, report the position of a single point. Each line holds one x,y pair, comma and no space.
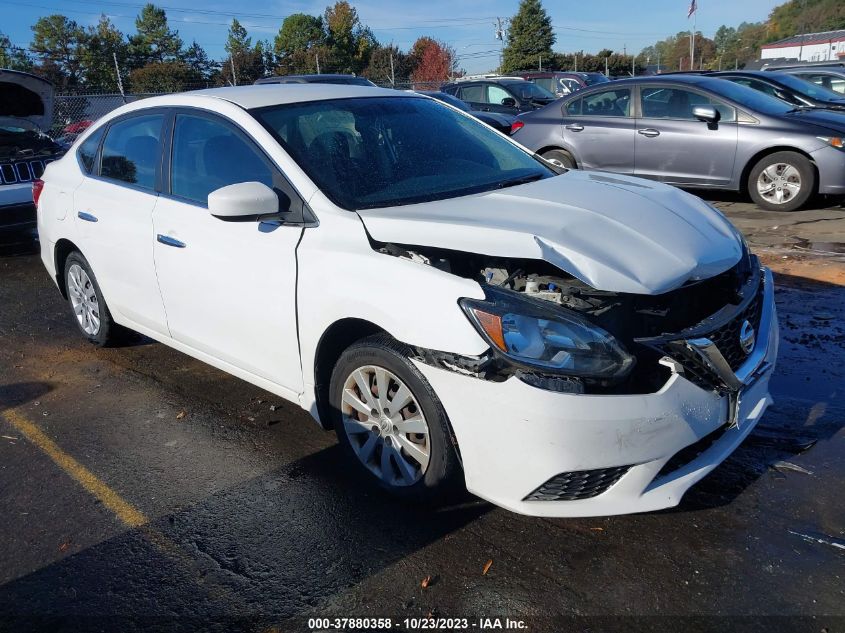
810,47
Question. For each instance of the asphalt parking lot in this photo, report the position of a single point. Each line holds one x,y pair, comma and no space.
140,488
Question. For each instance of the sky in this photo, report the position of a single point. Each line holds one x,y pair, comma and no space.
468,25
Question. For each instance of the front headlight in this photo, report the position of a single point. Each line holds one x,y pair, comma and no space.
547,339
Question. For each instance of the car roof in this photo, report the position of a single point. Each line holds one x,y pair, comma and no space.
678,78
261,95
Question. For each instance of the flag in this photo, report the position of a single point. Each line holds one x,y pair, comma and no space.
692,8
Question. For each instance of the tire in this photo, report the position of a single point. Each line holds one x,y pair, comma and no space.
365,437
561,158
93,318
782,181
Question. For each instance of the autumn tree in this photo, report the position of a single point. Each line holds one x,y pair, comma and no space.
433,61
530,37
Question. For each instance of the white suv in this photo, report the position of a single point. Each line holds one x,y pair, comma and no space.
571,343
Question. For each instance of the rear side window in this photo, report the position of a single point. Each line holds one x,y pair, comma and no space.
132,150
497,95
209,154
87,152
610,103
473,93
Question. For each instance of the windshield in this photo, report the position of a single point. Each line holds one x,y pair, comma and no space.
388,151
748,97
807,88
591,79
530,90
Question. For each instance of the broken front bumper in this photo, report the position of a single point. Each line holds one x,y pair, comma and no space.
553,454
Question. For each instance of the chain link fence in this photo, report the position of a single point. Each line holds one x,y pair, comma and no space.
73,113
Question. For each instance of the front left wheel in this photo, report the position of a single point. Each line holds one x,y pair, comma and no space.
390,422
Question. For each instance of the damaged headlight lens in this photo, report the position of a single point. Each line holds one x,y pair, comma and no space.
553,340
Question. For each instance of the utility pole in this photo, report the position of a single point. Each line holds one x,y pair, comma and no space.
500,26
576,62
392,76
658,62
234,76
317,57
606,70
117,72
541,63
633,65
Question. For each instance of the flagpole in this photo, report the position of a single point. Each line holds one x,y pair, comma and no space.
692,39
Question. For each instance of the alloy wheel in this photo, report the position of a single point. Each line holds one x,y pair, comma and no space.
83,299
385,425
779,183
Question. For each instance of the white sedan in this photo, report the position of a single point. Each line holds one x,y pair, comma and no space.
568,343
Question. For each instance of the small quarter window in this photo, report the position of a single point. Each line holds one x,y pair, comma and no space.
88,151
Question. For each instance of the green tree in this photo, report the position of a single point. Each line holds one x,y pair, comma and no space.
245,63
154,40
299,32
157,77
196,57
13,57
530,37
103,43
58,42
350,43
380,71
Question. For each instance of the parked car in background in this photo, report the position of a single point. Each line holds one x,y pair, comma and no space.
453,306
26,113
789,88
561,83
497,120
829,77
349,80
508,95
695,131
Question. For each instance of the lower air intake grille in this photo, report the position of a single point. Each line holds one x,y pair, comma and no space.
579,484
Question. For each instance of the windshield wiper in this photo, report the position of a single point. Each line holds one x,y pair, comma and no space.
519,181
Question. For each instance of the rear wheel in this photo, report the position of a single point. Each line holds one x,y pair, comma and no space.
86,300
389,420
560,157
782,181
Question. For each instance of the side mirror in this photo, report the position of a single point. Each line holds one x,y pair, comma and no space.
242,200
509,102
708,114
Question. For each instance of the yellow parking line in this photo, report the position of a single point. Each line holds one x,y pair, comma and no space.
123,510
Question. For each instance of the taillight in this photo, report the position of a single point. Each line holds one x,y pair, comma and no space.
37,188
517,125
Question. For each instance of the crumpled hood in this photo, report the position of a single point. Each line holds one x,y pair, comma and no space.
612,232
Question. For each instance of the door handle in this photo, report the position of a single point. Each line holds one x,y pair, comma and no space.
170,241
649,132
82,215
575,127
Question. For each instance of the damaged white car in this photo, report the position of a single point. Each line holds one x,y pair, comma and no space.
568,343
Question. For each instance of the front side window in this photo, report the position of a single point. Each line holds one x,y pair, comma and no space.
209,154
132,149
390,151
677,103
611,103
88,151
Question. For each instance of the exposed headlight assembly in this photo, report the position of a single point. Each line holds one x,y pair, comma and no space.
547,339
